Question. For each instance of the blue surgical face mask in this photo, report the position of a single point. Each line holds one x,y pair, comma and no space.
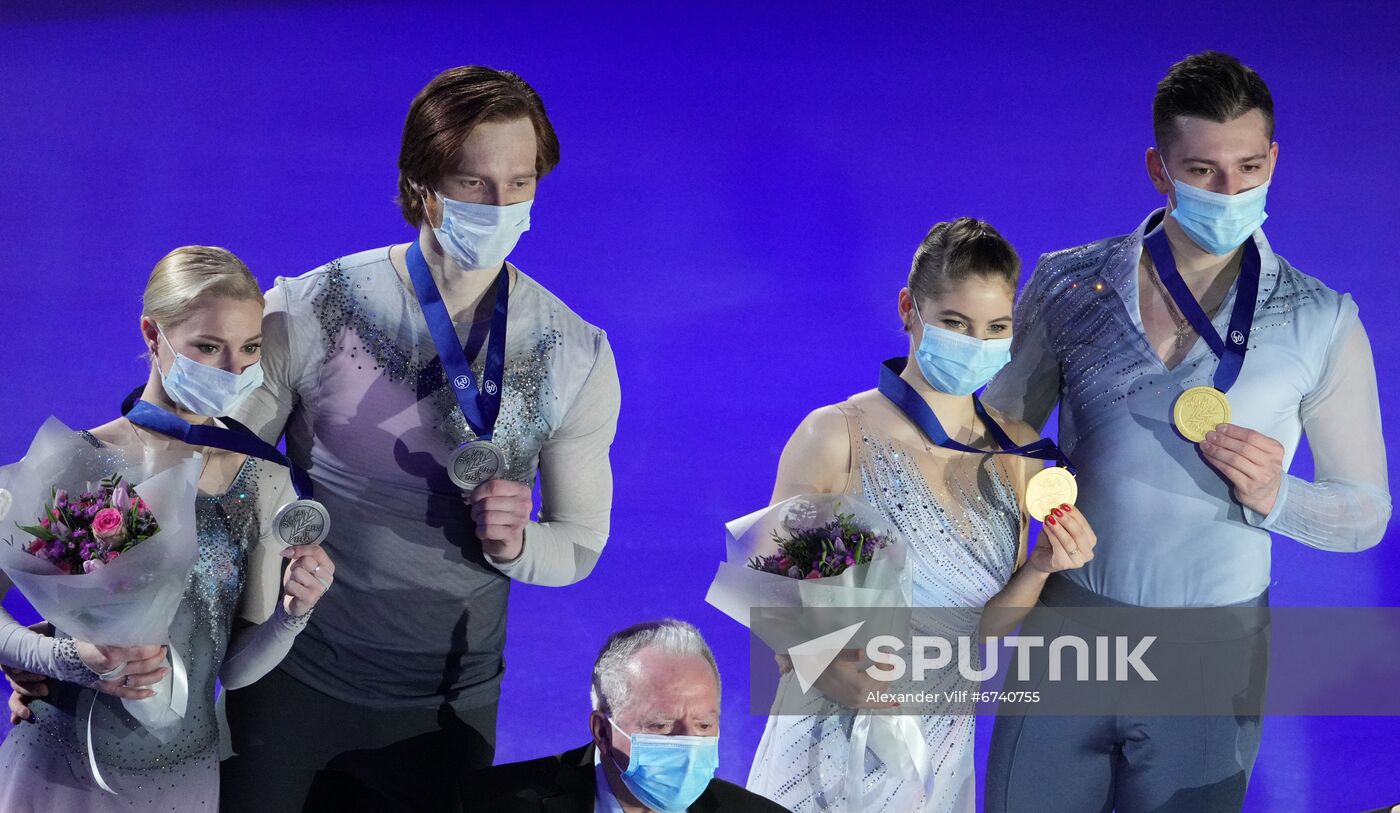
958,364
206,390
669,773
478,235
1215,222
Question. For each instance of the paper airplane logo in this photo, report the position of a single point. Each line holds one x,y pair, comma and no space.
811,658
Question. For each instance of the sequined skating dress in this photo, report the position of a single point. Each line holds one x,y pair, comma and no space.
962,519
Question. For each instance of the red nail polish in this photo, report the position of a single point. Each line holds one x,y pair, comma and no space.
1050,520
1067,507
1057,512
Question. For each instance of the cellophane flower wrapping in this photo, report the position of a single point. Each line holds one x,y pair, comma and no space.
740,587
131,600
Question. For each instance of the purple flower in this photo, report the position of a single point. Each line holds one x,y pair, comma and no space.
121,498
93,564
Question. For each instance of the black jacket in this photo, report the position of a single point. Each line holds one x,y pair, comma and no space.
566,784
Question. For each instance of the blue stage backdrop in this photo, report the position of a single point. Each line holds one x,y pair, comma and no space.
742,188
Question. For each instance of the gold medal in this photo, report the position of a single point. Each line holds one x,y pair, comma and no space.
1198,411
1050,488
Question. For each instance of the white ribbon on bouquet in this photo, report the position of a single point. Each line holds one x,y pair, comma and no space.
885,581
132,600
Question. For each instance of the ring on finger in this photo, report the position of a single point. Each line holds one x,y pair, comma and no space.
1074,552
126,681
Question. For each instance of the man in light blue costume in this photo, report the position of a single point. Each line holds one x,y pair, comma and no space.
1114,333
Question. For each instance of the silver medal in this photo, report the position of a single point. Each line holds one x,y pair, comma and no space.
301,522
476,463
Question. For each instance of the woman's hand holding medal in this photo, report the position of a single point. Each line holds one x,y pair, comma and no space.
501,510
1070,541
307,578
1251,461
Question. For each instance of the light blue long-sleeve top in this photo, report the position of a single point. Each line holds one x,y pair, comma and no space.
1170,534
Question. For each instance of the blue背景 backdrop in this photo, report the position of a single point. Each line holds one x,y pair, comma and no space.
742,187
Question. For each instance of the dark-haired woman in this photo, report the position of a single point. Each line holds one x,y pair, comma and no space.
962,512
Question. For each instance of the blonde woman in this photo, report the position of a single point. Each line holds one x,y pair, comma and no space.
201,322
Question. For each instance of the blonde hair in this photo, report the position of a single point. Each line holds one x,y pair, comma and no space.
187,276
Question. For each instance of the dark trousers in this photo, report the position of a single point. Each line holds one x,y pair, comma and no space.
1131,763
300,750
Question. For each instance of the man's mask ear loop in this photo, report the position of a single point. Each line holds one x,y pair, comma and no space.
422,191
612,749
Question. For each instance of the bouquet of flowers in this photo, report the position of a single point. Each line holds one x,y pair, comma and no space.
81,535
814,550
823,551
106,565
834,559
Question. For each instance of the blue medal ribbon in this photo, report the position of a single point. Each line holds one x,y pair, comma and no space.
1231,348
917,410
480,405
240,439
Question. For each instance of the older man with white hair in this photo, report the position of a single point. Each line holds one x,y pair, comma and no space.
655,727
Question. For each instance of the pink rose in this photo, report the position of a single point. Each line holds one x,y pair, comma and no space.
109,525
110,556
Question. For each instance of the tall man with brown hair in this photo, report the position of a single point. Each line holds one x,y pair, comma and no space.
425,387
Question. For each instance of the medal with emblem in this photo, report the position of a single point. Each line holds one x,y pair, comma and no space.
476,463
1198,411
482,459
1050,488
1047,490
301,522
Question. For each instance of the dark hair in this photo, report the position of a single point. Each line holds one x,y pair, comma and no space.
1209,85
444,113
953,252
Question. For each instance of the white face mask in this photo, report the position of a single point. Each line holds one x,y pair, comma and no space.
478,235
206,390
